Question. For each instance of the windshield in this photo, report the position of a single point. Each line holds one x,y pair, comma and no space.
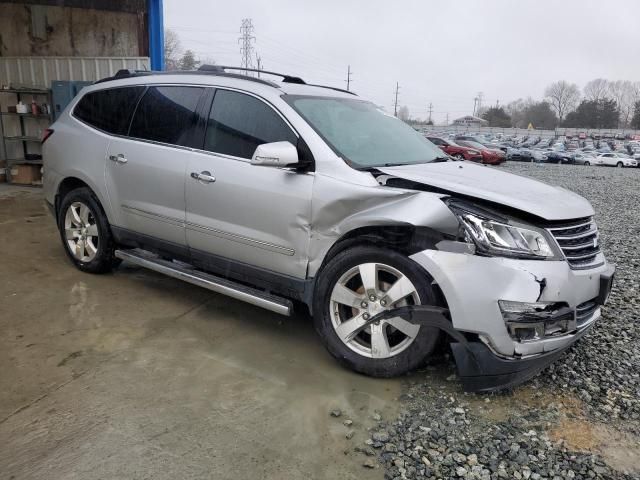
363,134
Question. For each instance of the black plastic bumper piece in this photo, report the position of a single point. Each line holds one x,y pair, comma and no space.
606,284
479,369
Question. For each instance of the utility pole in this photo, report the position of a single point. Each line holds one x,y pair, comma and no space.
395,103
497,104
258,63
246,43
430,111
349,73
447,118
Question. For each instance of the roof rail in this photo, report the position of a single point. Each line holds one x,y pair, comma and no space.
220,70
224,68
333,88
209,70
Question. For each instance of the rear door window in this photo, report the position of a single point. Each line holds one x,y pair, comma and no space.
109,110
168,115
238,123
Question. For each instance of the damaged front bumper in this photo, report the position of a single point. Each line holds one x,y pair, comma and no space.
510,318
483,294
479,368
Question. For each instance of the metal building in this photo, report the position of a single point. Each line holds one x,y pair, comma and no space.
65,44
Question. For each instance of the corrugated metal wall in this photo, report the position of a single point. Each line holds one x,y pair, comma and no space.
38,72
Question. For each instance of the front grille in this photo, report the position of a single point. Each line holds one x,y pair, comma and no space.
578,240
585,311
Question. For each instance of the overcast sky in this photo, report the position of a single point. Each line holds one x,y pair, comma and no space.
443,51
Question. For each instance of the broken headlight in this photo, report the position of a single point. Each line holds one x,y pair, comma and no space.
500,237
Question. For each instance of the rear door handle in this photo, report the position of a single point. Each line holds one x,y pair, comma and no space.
203,176
119,158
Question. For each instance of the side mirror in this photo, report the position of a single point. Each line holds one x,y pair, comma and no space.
276,154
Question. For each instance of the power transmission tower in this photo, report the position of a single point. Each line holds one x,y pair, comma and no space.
246,43
395,103
349,73
430,111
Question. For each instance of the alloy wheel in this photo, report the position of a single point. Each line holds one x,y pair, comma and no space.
363,292
81,232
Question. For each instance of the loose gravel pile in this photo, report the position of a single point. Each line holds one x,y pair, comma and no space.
445,433
604,368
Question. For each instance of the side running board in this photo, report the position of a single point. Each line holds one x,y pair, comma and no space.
187,273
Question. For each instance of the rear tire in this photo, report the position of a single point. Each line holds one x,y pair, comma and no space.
85,233
379,350
619,165
586,164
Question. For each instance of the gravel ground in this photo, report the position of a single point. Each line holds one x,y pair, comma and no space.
580,418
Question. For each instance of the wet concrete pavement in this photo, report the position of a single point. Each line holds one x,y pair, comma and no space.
136,375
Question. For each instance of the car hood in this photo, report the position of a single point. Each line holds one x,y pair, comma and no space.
491,184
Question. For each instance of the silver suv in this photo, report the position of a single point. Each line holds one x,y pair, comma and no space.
281,192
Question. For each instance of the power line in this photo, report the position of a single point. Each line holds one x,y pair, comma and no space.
246,45
348,76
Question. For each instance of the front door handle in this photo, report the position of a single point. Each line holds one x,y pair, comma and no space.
203,176
119,158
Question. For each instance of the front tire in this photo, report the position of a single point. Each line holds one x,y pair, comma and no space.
619,165
85,233
356,285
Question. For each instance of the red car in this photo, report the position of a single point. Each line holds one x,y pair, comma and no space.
458,151
490,156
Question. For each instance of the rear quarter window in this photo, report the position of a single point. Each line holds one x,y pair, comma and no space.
109,110
168,114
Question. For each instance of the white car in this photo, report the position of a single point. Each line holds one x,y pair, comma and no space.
615,159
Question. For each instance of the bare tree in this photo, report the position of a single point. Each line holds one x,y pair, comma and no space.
172,49
596,89
403,113
188,61
622,92
563,97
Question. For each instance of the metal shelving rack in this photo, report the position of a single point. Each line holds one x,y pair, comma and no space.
23,136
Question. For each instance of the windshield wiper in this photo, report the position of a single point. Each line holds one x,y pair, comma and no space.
440,159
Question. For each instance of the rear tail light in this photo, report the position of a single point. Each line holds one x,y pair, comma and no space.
46,134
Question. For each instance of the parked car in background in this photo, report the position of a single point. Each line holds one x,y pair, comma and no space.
532,155
458,151
616,159
490,156
514,154
584,158
555,156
